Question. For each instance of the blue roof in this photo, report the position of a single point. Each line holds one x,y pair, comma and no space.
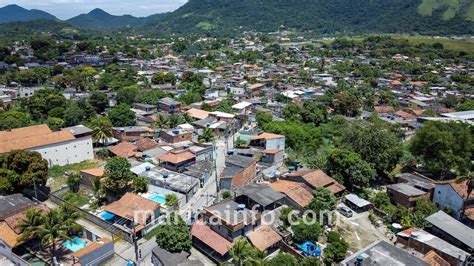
107,215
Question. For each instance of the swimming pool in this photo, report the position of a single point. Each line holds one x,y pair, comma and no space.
75,244
157,198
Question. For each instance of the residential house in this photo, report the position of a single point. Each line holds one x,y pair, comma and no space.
95,253
382,253
238,171
132,212
177,160
124,150
261,195
89,176
265,238
230,219
452,231
132,133
423,242
406,195
145,109
297,195
316,178
197,114
172,181
169,106
210,242
161,257
453,195
67,146
13,210
175,135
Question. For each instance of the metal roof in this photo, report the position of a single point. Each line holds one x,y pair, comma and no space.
452,227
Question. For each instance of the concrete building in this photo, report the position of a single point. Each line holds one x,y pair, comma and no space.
405,195
175,135
453,195
68,146
168,105
238,171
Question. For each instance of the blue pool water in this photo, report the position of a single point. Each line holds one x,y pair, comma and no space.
75,244
158,198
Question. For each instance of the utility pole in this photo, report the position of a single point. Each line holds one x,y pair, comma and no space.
215,169
135,243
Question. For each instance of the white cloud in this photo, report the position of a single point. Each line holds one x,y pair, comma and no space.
65,9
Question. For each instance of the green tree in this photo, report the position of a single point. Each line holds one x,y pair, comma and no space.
99,101
139,184
375,143
467,105
283,259
73,182
303,232
349,167
7,180
174,235
242,252
127,95
54,123
207,136
346,103
30,168
443,147
323,200
263,118
122,116
311,261
43,101
102,129
172,200
336,249
14,119
117,175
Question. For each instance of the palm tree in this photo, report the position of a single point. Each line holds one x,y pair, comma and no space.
260,258
206,136
172,200
162,122
241,252
68,215
102,129
29,225
53,229
469,179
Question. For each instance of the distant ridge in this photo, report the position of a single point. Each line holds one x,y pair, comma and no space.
12,13
98,19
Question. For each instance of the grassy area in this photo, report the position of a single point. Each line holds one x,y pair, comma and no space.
76,199
56,173
466,45
151,234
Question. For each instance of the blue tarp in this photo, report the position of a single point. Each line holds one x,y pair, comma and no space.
107,215
310,249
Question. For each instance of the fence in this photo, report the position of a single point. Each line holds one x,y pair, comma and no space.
113,229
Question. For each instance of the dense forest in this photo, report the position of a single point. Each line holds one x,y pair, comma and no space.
320,16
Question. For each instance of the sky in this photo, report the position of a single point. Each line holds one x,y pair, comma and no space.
65,9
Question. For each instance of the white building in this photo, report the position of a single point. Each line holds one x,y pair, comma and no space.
68,146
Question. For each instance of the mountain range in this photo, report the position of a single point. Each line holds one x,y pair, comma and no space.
319,16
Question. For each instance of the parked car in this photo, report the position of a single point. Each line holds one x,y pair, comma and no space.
345,211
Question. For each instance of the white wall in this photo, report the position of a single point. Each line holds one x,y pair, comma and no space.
69,152
445,196
275,144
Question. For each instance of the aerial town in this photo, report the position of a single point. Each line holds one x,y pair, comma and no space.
259,149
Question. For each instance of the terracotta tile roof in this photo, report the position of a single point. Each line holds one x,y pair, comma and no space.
461,189
383,109
129,204
434,259
405,115
93,246
264,237
315,177
146,144
271,151
124,149
256,86
418,83
298,192
98,172
15,220
211,238
176,157
24,132
8,235
35,141
418,112
336,188
197,113
266,136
